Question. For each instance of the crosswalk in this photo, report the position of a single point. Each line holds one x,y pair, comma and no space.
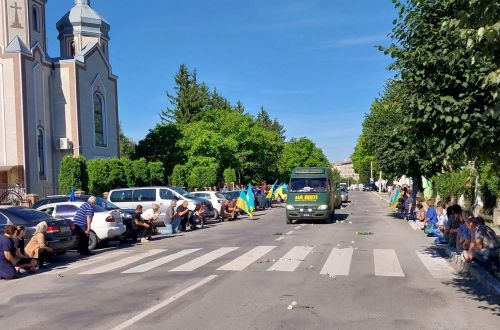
333,261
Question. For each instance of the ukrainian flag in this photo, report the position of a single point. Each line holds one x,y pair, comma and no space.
250,198
242,204
270,193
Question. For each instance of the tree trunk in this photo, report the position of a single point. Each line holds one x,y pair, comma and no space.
417,185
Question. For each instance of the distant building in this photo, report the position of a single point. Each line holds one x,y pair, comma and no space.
53,107
345,168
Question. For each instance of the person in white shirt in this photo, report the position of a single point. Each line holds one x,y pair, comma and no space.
150,216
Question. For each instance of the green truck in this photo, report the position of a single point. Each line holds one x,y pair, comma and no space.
312,195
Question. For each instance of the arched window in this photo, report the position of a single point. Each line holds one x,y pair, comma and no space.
99,121
72,48
36,22
40,138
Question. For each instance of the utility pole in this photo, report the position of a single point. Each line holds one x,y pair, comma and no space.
380,182
371,172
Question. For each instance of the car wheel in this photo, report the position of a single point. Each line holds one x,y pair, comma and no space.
61,253
288,220
93,240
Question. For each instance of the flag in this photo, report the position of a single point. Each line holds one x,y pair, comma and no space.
72,195
242,204
250,198
270,193
394,199
285,188
277,191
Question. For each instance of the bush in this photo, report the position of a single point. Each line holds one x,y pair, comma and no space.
141,172
73,174
156,173
229,175
202,176
454,184
179,176
128,171
98,171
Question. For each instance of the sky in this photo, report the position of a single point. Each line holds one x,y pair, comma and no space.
312,64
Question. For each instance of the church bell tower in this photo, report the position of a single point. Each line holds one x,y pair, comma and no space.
80,27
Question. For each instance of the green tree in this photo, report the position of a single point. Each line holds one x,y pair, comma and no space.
156,173
189,100
447,55
300,152
127,145
180,176
141,172
229,175
160,144
98,171
73,174
363,159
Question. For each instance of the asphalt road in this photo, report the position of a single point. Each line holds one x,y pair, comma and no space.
259,274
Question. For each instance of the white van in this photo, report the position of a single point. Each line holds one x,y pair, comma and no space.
146,196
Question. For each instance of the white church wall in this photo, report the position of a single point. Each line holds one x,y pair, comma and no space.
95,78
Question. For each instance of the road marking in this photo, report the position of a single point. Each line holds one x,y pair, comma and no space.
280,238
247,259
382,198
387,263
289,233
298,227
203,260
164,303
158,262
292,259
123,262
437,266
338,262
413,225
83,263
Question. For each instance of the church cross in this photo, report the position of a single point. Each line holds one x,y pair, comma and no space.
16,24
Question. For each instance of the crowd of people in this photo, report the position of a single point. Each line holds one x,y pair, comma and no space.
453,226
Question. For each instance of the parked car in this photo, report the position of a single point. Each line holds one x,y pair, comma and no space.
370,187
106,225
146,196
230,195
344,194
216,198
60,235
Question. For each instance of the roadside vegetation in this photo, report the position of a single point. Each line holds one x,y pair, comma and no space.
439,116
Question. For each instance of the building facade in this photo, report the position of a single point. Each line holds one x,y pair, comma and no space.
345,168
53,107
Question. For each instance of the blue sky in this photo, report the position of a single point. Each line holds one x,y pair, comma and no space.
310,63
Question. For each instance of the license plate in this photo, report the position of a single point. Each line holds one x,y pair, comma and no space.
65,230
306,215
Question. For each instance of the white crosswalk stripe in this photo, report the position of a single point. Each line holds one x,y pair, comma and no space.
123,262
437,266
292,259
338,262
387,263
83,263
159,262
203,260
247,259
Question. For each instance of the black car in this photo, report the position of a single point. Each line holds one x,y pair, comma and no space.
60,234
370,187
231,195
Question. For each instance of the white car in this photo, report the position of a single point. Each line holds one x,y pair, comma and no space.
213,196
107,224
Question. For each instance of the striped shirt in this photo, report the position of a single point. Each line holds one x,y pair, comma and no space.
81,215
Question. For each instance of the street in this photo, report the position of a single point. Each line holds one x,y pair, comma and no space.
259,274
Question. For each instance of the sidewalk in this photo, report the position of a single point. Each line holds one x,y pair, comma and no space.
471,269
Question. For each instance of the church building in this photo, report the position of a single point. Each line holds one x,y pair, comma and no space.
53,107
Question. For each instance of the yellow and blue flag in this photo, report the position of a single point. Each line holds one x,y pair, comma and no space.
250,198
270,193
242,204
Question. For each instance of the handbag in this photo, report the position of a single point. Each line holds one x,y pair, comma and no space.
429,229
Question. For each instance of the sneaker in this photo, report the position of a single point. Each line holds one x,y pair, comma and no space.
144,240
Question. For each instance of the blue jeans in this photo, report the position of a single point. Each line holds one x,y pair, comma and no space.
175,224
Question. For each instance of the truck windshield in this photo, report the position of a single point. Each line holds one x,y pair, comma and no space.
308,185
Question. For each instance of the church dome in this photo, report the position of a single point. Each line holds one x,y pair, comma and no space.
84,20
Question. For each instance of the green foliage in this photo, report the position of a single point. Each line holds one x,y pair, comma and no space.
98,171
451,185
128,172
141,172
156,173
202,176
362,160
446,55
160,144
180,176
300,153
336,176
73,174
490,187
229,175
127,145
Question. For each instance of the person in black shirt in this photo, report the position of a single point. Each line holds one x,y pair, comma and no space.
183,213
137,223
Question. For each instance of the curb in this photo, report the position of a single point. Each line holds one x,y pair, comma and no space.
474,270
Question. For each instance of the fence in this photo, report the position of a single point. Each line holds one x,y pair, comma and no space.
13,195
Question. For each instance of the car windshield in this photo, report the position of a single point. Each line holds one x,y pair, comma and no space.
97,208
183,193
308,185
29,215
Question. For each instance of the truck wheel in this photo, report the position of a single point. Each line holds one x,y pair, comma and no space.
93,240
288,220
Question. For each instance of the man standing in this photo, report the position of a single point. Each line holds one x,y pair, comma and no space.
83,221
